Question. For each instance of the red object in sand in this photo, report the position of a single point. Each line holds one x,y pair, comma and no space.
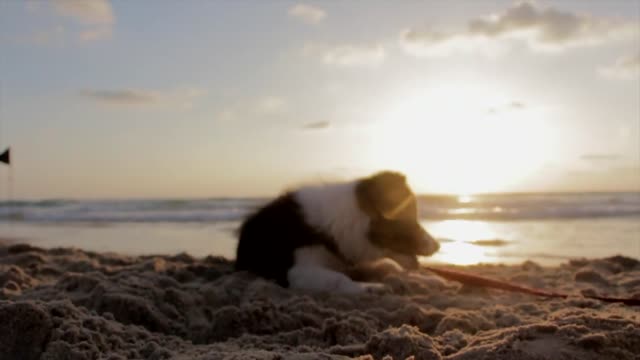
481,281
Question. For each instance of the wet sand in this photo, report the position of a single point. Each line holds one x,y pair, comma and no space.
65,303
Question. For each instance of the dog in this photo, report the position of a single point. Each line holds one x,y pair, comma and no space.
327,237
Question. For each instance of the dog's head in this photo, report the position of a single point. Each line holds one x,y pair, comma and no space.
387,199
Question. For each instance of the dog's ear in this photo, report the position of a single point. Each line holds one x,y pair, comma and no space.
381,193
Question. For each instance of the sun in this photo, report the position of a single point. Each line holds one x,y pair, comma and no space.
460,140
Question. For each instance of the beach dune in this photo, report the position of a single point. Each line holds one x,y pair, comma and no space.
65,303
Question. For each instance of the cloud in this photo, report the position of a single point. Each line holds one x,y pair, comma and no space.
307,13
91,20
141,97
355,55
600,157
541,28
625,67
430,43
122,97
347,55
90,12
253,107
545,26
319,125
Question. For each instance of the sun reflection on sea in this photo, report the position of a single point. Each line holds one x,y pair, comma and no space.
455,242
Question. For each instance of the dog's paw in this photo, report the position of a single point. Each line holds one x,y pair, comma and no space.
409,262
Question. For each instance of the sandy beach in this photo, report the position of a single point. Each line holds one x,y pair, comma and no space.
65,303
148,149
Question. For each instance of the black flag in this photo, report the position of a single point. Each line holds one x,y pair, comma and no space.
5,157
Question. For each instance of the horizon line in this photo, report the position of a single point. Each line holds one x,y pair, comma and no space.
224,197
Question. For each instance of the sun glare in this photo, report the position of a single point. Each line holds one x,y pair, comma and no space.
461,140
457,236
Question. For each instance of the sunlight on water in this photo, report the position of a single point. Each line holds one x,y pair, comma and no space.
462,230
465,199
462,253
455,238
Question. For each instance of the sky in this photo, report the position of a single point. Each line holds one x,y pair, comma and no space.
121,99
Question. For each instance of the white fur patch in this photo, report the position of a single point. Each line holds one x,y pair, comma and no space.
318,255
333,209
315,278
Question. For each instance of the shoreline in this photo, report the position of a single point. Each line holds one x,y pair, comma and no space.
69,303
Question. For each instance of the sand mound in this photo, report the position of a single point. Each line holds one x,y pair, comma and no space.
73,304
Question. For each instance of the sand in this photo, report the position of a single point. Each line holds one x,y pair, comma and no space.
67,303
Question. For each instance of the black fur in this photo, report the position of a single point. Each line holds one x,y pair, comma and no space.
269,237
381,193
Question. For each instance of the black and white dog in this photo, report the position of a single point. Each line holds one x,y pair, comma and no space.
314,237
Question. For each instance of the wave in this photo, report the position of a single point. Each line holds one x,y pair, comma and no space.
504,207
527,214
178,210
531,206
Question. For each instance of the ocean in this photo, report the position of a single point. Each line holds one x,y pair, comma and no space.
500,228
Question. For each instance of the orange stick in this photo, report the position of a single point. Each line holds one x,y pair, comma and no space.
477,280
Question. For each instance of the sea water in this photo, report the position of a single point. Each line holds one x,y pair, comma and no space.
497,228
